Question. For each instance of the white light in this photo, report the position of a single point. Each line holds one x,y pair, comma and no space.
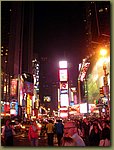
62,64
83,108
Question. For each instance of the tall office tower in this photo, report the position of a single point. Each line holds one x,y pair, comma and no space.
17,45
21,37
97,23
97,27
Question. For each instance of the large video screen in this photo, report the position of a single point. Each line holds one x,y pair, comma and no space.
63,75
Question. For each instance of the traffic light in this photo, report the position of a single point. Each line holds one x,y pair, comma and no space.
105,80
95,102
101,92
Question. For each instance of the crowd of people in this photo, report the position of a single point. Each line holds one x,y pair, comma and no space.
68,132
78,132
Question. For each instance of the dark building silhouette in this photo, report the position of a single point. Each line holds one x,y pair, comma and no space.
18,37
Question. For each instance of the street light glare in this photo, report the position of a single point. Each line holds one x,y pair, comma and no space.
103,52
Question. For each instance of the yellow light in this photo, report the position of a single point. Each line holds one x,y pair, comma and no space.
103,52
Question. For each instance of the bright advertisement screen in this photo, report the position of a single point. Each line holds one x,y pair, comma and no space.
91,108
13,89
75,109
14,108
64,100
63,114
83,108
28,88
62,64
63,75
63,85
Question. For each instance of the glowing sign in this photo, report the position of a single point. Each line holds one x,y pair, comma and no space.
65,91
62,64
64,100
91,108
63,75
13,89
14,108
63,85
83,71
83,108
28,87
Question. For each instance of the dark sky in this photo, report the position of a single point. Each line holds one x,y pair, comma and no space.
59,29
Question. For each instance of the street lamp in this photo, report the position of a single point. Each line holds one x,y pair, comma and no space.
103,53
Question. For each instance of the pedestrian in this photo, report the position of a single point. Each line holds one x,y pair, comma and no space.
94,137
85,130
8,133
50,132
105,137
33,134
70,130
59,130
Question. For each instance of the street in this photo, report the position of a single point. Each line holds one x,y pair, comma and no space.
21,140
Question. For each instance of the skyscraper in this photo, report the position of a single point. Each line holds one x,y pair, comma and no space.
20,39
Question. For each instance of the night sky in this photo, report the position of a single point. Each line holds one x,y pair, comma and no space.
60,33
59,29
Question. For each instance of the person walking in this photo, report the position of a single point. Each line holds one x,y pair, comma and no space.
33,134
105,137
59,127
8,133
50,133
70,130
94,137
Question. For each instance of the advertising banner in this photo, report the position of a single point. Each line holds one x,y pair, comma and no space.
83,108
63,75
75,109
28,88
64,100
13,89
6,108
14,108
63,85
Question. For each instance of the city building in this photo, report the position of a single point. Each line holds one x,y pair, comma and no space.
97,30
17,47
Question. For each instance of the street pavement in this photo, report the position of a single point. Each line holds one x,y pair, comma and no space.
21,140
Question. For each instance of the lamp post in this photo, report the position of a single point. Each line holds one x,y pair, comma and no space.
103,53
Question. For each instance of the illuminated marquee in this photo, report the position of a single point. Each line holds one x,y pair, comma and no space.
63,85
63,75
64,100
13,89
83,71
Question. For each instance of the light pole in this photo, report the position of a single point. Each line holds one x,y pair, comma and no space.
103,53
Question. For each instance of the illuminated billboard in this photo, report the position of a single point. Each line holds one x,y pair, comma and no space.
63,75
84,71
65,91
63,85
64,100
13,89
83,108
62,64
14,108
91,108
75,109
28,88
